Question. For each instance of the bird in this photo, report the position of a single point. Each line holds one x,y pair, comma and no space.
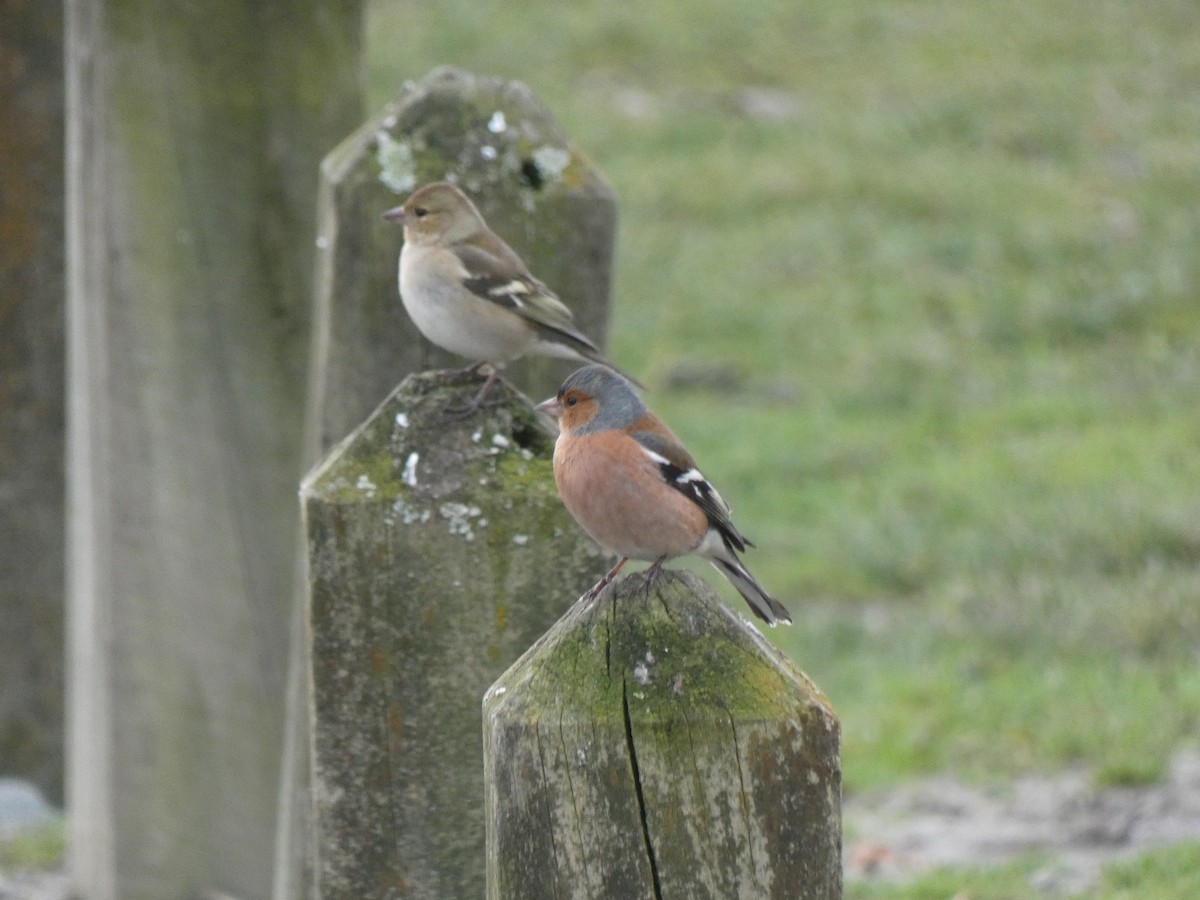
629,482
468,292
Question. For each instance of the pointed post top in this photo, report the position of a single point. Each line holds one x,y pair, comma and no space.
654,744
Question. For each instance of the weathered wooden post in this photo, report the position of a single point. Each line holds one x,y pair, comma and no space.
540,192
438,551
193,136
654,745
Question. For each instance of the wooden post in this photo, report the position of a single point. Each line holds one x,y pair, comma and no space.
32,295
536,188
437,551
193,136
655,745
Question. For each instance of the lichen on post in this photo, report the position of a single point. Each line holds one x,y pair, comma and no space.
653,744
437,551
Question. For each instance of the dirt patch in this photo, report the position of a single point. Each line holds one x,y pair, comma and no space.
941,822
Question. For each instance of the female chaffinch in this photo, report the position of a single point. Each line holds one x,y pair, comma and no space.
468,292
628,481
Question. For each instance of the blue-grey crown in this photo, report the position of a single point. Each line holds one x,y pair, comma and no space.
619,405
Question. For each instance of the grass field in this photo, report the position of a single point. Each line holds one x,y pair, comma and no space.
938,265
1162,875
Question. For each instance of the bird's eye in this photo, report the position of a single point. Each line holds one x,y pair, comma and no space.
572,400
420,212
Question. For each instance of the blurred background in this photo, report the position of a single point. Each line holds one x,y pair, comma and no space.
917,283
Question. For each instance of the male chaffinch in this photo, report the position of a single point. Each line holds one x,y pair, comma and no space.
468,292
628,481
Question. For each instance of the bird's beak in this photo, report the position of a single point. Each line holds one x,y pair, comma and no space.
551,408
395,215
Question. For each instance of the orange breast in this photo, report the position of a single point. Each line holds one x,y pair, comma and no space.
622,502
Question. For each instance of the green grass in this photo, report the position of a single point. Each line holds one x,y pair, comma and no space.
1165,874
957,295
1160,875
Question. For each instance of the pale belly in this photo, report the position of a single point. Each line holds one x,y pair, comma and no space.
461,323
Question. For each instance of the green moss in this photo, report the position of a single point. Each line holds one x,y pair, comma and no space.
508,448
666,649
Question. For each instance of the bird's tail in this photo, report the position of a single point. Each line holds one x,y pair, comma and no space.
761,603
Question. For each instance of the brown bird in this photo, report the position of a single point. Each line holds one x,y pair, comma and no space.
469,292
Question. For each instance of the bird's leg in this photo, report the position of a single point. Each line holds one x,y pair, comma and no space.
654,572
464,412
469,373
606,580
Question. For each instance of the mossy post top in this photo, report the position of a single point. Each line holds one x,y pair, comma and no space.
676,646
409,447
654,744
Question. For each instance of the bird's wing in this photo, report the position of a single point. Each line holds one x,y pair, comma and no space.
678,469
503,280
